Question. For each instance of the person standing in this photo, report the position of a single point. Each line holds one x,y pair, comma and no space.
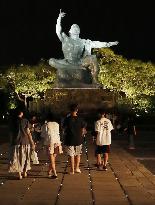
21,143
74,129
35,128
131,132
103,128
51,137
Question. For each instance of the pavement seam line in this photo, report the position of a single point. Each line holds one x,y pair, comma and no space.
61,183
90,178
124,191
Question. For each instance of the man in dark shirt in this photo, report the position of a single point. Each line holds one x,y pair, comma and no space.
74,129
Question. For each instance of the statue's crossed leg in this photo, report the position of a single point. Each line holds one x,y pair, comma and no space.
90,62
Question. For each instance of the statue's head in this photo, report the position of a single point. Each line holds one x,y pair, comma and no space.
75,29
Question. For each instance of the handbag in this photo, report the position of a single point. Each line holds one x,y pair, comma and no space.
34,157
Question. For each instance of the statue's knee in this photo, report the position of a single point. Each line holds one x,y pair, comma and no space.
52,61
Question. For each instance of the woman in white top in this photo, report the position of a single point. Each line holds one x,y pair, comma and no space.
51,136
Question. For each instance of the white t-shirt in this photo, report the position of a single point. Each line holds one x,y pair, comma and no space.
103,127
50,133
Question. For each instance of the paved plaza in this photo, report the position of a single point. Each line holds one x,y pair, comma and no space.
126,182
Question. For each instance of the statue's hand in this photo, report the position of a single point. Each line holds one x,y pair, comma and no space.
116,42
61,14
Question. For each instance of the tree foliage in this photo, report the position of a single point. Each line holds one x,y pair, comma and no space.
133,81
134,78
27,80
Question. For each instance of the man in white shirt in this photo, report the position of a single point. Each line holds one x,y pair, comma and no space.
103,129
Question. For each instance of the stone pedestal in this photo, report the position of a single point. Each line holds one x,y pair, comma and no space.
74,78
74,85
88,99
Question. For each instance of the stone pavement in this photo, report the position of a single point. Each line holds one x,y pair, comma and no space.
126,182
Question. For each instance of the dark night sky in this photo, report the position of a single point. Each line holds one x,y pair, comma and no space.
27,27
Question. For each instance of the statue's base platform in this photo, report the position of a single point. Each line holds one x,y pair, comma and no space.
74,78
89,100
73,85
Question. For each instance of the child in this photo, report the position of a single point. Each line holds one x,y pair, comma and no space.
50,133
103,128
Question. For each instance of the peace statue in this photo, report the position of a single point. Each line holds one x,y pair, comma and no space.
77,51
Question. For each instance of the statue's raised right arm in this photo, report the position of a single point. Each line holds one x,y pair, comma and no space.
58,25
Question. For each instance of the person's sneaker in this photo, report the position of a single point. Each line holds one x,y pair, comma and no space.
100,168
131,148
49,174
54,177
24,175
77,171
105,168
20,177
71,173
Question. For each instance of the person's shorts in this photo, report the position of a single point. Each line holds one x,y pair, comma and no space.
52,149
102,149
73,150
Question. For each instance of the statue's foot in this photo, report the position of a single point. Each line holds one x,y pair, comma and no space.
97,84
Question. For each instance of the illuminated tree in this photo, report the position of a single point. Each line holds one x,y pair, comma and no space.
134,78
27,81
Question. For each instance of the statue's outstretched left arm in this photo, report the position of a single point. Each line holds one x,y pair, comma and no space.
98,44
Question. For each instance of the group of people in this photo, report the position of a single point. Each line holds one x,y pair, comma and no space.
67,136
